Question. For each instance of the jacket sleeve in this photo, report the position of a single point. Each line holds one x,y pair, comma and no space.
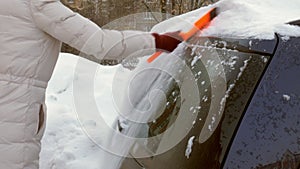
63,24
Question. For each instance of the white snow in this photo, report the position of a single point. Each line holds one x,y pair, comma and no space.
189,146
67,145
286,97
242,18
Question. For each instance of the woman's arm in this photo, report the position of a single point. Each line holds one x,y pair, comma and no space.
63,24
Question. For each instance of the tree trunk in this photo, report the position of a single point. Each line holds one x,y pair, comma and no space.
192,5
180,7
173,7
163,10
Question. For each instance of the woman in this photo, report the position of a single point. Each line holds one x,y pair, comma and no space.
31,33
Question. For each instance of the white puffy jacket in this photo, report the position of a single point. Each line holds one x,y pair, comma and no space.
31,32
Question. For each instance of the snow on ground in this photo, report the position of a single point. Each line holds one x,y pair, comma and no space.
65,145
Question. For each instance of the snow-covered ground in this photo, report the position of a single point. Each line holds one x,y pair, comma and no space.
66,145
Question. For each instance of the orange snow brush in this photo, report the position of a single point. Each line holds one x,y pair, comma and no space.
200,24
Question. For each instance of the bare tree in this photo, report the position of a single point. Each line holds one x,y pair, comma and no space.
173,7
180,3
163,8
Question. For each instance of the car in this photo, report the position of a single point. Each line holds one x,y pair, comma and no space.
258,126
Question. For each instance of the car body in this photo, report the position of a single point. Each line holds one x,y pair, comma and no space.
260,123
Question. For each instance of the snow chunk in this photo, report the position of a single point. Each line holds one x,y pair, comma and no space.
189,146
286,97
195,59
285,38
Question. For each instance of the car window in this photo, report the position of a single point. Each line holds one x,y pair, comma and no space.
243,63
243,68
269,135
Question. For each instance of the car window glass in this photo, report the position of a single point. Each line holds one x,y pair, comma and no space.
241,72
268,136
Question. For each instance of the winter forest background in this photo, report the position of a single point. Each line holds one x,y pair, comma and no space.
135,14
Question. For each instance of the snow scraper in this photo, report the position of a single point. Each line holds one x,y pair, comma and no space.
200,24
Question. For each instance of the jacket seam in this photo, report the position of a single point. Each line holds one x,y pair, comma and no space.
30,81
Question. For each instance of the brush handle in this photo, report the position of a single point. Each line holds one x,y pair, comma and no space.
198,25
154,56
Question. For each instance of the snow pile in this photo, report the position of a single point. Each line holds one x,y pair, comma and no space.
65,144
242,18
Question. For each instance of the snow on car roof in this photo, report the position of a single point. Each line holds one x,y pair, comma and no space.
242,18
